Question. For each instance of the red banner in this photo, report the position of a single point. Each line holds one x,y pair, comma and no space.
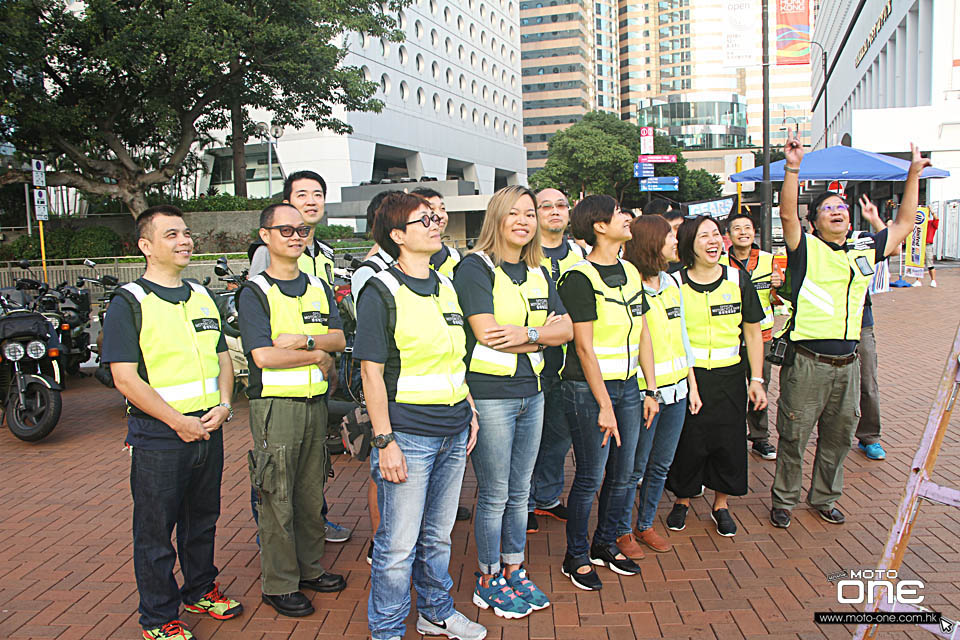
793,32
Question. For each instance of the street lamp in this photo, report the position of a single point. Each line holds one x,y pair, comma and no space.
271,134
826,114
795,121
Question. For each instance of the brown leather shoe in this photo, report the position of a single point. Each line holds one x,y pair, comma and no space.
653,540
629,547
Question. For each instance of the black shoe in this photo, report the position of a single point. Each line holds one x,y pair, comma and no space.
294,605
326,583
764,449
558,512
780,517
463,513
589,581
677,520
724,521
832,515
606,556
532,525
370,554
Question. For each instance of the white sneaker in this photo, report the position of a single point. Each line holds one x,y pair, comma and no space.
456,626
933,283
917,284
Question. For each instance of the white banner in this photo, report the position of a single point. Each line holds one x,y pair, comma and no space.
741,37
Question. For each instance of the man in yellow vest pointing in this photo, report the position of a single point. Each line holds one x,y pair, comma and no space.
163,340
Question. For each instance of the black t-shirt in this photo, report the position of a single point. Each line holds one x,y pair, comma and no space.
437,259
121,343
375,342
254,318
578,297
474,283
750,308
553,356
797,268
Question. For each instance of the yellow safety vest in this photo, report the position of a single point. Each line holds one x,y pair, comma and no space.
179,346
619,324
829,302
308,315
525,305
665,322
713,321
574,255
320,265
453,257
761,277
431,342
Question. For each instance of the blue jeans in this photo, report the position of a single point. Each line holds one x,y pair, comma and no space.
547,482
176,487
413,539
503,460
600,468
655,449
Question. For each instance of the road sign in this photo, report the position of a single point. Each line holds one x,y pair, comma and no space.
656,159
646,139
642,170
40,204
657,187
838,187
7,149
674,180
39,173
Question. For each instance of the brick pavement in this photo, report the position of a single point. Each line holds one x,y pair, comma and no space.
65,542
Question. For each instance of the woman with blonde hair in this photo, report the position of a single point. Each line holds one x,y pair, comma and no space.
513,312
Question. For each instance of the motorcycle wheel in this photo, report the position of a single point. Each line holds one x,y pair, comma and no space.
37,419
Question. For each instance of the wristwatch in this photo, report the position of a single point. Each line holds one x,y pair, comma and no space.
382,440
532,335
229,408
311,343
651,393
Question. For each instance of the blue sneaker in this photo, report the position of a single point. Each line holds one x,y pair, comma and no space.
338,533
873,451
528,591
501,597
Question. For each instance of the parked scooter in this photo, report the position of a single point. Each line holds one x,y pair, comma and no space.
227,305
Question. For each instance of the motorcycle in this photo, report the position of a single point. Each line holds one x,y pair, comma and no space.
227,306
29,373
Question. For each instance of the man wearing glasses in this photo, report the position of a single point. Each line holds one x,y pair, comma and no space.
830,271
446,258
290,327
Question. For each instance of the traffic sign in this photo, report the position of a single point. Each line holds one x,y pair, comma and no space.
40,204
642,170
661,183
646,139
657,159
838,187
657,187
39,173
674,180
7,149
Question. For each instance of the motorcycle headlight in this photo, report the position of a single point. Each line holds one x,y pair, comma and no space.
36,349
13,351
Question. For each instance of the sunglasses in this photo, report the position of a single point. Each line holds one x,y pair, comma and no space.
549,206
830,208
425,220
287,230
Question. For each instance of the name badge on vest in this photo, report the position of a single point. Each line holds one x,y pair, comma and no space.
206,324
538,304
673,313
864,265
763,285
453,319
315,317
636,310
329,271
725,309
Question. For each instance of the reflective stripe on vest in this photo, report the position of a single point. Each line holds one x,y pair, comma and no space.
665,323
761,277
830,300
619,324
321,265
713,321
179,346
309,315
524,305
453,258
431,342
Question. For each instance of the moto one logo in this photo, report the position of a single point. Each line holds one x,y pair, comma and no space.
862,588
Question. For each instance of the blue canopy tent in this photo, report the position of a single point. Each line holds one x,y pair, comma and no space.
842,163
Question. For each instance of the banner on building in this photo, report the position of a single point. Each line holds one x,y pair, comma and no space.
916,245
741,40
793,32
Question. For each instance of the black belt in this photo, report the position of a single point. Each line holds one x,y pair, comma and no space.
836,361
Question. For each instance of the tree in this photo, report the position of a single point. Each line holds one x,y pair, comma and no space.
699,184
114,95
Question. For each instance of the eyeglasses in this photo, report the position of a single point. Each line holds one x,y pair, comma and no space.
830,208
560,206
287,230
425,220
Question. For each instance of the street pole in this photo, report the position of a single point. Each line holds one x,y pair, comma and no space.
766,242
269,165
826,113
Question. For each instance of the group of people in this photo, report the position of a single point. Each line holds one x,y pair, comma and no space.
639,342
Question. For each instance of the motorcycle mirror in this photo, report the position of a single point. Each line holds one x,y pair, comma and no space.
44,288
89,263
220,270
80,283
110,281
222,260
206,281
24,264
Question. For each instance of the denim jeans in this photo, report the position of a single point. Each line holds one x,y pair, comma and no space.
503,460
604,468
655,449
176,487
413,540
546,485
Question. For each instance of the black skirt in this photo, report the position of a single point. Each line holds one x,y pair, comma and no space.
712,451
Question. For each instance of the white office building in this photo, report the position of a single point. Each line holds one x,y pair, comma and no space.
893,69
452,108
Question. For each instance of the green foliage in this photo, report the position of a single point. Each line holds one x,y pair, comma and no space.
91,242
119,91
219,202
700,184
333,232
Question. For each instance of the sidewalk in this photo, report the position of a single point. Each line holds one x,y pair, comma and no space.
66,566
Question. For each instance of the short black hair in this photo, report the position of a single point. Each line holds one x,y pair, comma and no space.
687,234
266,216
814,207
302,175
145,219
740,215
427,192
592,209
673,214
374,205
657,207
392,214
